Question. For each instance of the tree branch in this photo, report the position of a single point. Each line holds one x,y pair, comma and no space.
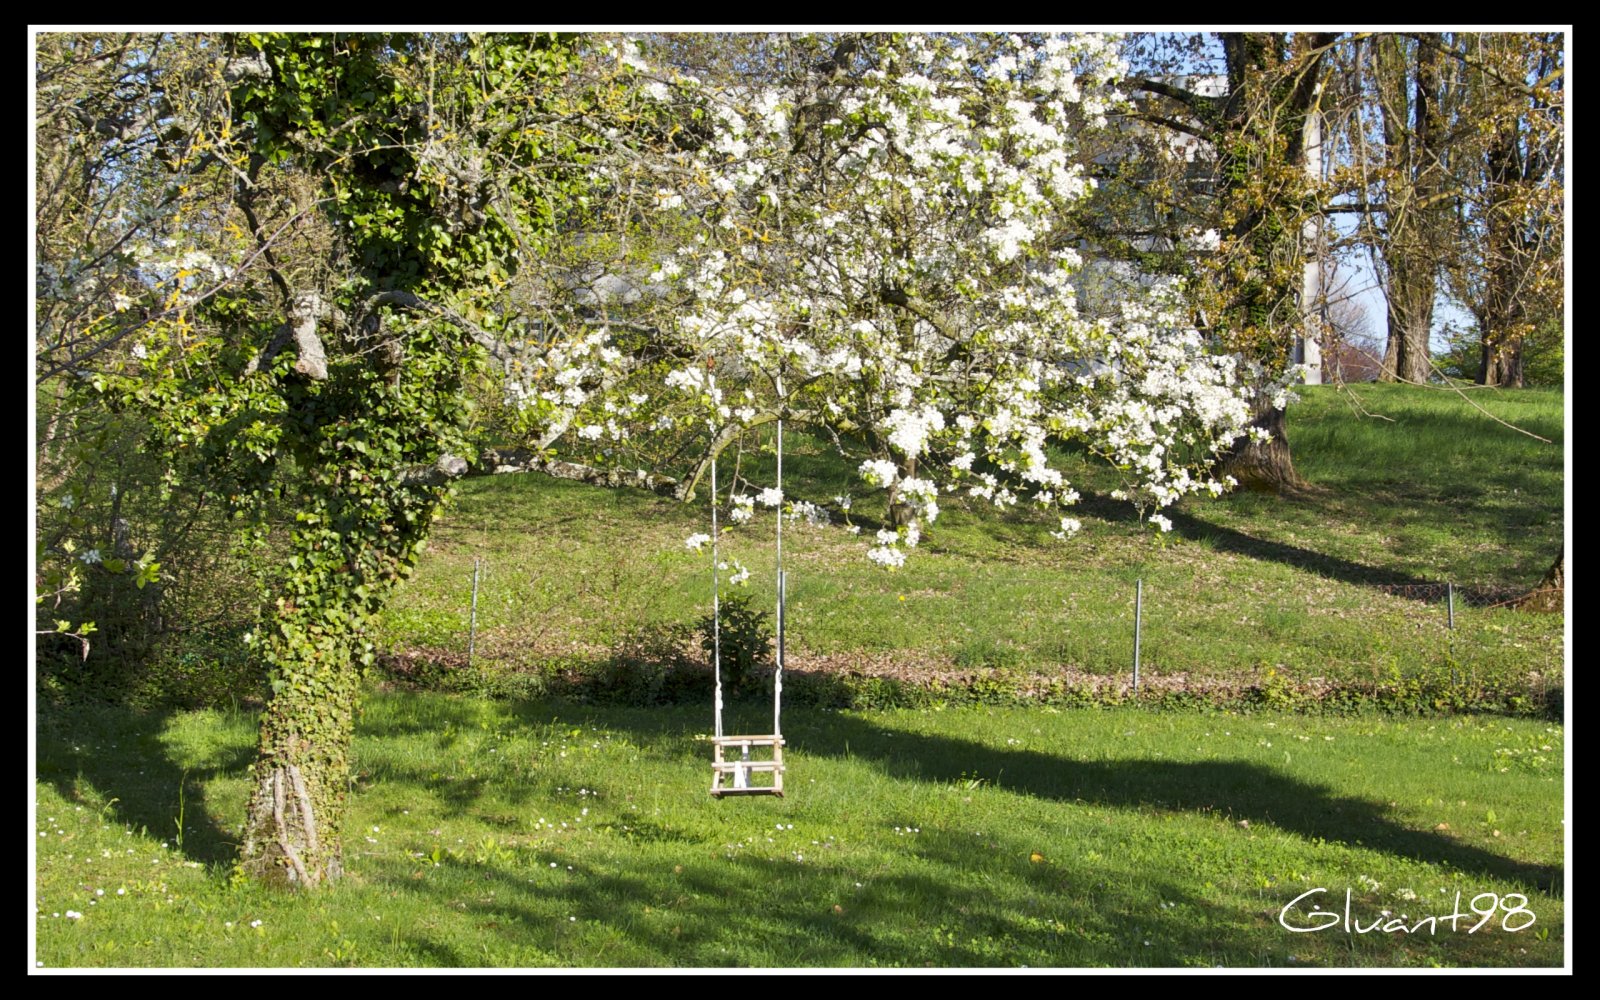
1197,104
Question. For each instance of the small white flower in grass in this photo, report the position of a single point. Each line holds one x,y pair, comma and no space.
855,529
1161,522
99,892
697,541
74,915
122,892
255,923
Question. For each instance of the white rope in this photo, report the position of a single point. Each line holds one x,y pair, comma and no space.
716,604
777,674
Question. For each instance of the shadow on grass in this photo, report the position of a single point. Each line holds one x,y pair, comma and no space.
1237,789
776,913
1224,539
118,753
958,902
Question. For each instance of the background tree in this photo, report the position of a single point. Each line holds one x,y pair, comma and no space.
1248,291
1398,168
1506,267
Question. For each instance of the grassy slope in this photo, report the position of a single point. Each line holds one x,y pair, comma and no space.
1436,492
507,834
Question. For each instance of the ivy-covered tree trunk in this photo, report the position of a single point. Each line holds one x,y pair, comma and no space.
359,533
363,383
293,830
1260,131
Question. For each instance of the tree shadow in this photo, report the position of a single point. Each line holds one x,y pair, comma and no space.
1236,789
688,900
783,913
1239,790
118,752
1224,539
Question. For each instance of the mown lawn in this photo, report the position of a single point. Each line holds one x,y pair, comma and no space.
499,833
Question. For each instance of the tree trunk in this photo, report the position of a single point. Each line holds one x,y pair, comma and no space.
1502,364
1411,252
1548,595
901,513
1265,466
1391,353
1410,314
293,831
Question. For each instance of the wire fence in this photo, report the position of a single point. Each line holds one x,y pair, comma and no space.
1104,623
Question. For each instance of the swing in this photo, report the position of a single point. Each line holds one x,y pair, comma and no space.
732,766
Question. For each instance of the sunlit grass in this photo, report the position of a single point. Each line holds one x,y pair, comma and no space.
530,834
1345,583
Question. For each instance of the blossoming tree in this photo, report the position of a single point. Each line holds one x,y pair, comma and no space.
873,243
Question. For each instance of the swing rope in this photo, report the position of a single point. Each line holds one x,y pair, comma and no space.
777,673
741,768
716,604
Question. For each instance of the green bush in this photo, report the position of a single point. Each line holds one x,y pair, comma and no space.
746,638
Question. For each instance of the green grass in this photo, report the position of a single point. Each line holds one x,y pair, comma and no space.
488,833
1344,584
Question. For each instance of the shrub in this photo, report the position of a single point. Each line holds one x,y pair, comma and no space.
746,638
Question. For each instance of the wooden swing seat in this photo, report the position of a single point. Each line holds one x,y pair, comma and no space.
739,770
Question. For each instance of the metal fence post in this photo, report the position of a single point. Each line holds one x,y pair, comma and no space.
1450,639
472,622
1138,622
